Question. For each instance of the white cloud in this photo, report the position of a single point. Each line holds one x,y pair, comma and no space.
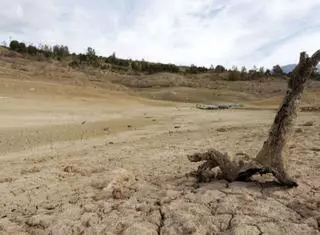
204,32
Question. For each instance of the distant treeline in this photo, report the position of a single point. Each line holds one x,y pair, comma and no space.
61,52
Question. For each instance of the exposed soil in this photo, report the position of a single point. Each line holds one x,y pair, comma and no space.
80,159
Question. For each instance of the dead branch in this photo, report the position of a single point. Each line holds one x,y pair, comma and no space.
273,157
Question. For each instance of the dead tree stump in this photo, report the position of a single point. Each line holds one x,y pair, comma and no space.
273,157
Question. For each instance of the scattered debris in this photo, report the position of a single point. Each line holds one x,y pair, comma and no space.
315,149
292,146
309,123
218,107
117,194
30,170
221,129
310,109
6,180
69,169
243,154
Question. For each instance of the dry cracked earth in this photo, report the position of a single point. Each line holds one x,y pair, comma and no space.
112,164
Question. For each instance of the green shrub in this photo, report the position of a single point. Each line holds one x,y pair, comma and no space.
219,69
31,50
22,47
14,45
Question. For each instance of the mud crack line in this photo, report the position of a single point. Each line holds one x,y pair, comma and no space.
162,219
230,222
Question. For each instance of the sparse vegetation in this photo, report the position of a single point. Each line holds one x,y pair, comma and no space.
277,71
60,51
219,69
113,63
235,75
14,45
32,50
193,69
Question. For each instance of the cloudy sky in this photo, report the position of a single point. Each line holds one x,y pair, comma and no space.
203,32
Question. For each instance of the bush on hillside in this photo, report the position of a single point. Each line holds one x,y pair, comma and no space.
234,75
277,71
14,45
60,51
219,69
31,50
22,47
74,64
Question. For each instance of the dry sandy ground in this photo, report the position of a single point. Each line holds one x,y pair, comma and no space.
81,160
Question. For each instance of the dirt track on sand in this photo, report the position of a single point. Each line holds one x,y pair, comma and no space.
97,163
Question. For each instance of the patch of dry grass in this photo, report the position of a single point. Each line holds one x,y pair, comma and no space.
206,87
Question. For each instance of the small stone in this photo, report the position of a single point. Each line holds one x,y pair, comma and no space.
71,213
62,227
69,169
292,146
49,205
315,149
90,207
155,217
117,194
40,220
89,219
143,228
107,208
312,222
309,123
121,185
244,229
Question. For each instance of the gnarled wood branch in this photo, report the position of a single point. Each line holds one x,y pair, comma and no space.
272,158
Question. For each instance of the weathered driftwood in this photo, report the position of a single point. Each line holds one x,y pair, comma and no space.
273,157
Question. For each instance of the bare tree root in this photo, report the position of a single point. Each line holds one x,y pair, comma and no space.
240,170
213,158
272,158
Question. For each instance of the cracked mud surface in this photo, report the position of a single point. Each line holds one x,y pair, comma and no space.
110,174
